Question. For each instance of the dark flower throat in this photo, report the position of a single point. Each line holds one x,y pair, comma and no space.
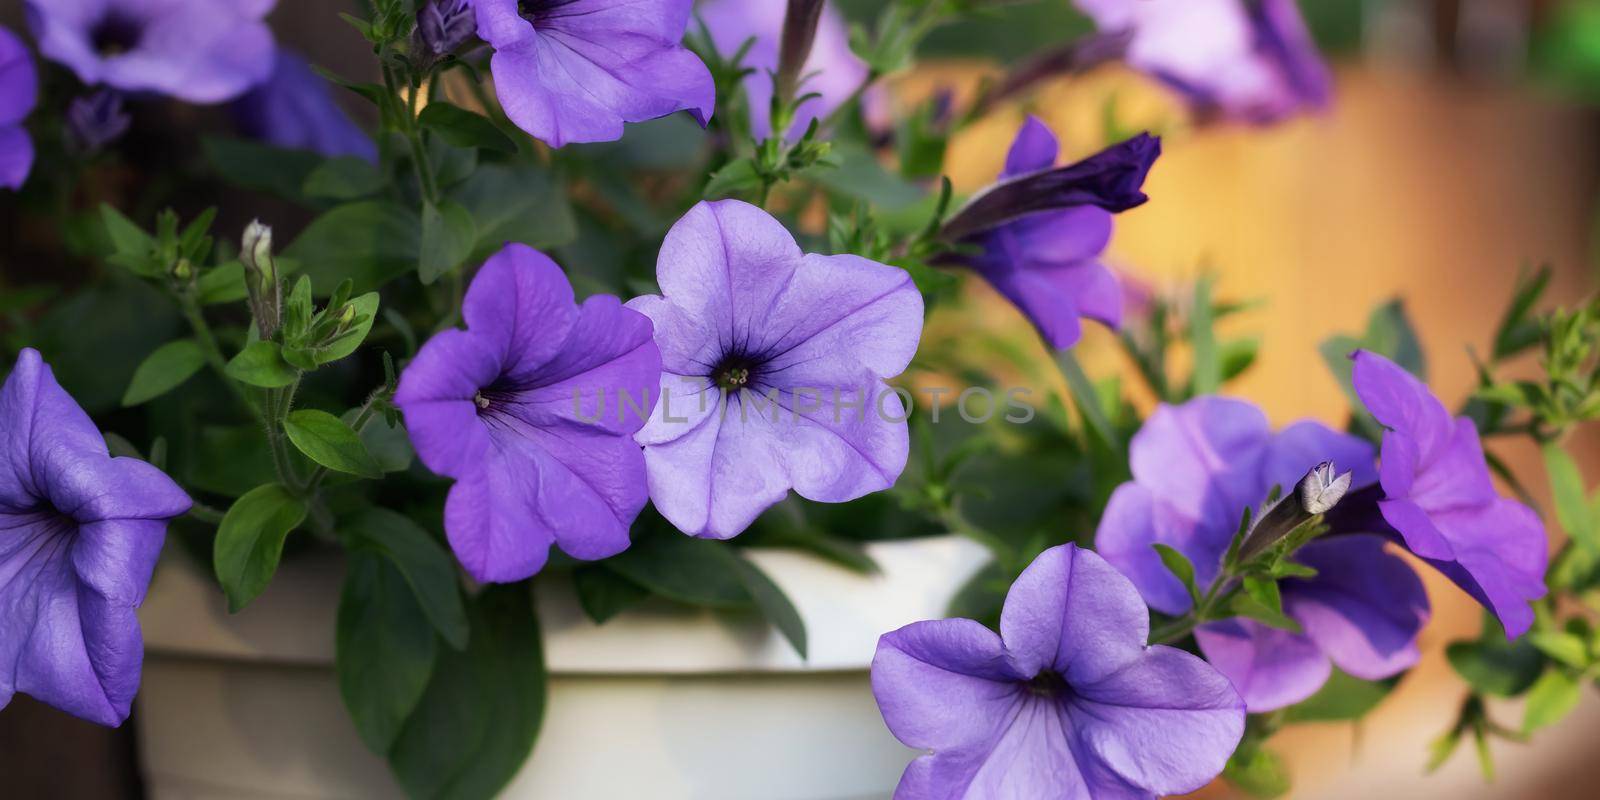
116,33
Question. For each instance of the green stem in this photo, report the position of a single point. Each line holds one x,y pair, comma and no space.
213,352
206,514
1087,399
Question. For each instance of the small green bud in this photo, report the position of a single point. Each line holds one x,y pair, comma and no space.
183,270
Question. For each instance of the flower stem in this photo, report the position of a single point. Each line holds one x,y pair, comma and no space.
213,352
1087,399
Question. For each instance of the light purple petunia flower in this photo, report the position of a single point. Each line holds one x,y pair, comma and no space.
1067,701
833,71
294,109
202,51
526,410
1440,499
773,370
1048,263
576,70
1196,468
19,92
1251,60
79,535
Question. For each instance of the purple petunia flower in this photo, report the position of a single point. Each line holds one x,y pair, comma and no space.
1196,468
1067,701
19,91
517,409
295,110
576,70
202,51
1438,496
96,120
79,535
773,370
1251,60
833,71
1048,262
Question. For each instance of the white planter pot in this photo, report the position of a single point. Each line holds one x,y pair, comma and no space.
657,703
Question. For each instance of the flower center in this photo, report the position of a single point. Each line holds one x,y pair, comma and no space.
480,401
1048,683
116,33
734,373
537,11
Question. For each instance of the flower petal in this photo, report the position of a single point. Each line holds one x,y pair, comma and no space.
1305,444
436,396
1401,403
724,264
1073,613
522,303
1034,148
1364,608
943,684
606,378
1133,522
19,81
1270,668
838,315
1499,555
16,156
1204,459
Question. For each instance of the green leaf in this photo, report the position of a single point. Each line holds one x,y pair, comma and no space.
1551,699
250,541
164,370
1265,592
1516,332
1344,697
261,364
369,243
253,165
1207,375
1258,772
131,246
384,649
427,567
1237,355
464,128
448,235
223,283
860,176
1567,648
343,178
603,594
1496,667
364,309
737,177
696,572
325,439
1572,507
774,604
390,447
1179,565
1244,604
1389,333
516,204
480,715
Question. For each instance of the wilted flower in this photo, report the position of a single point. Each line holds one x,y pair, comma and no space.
79,535
295,110
19,91
576,70
202,51
773,370
1439,496
833,72
1245,59
1067,701
1196,468
496,407
1037,236
97,119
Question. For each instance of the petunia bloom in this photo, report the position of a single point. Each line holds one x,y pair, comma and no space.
19,91
833,71
576,70
1251,60
1067,701
79,535
294,109
527,410
773,370
1196,468
1048,262
1439,497
201,51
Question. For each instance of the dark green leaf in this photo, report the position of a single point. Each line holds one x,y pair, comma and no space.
1179,565
448,235
860,176
253,165
132,248
428,568
1258,772
370,243
229,460
325,439
389,446
481,712
774,604
464,128
1572,506
250,541
737,177
261,364
343,178
1516,332
1389,333
698,572
516,204
1500,668
363,311
1565,647
1344,697
164,370
223,283
1246,605
384,649
603,594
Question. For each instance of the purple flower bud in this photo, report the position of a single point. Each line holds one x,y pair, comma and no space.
444,25
97,120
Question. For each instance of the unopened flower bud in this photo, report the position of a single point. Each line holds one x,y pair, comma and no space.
97,120
1317,493
444,25
1323,488
347,314
256,251
183,270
